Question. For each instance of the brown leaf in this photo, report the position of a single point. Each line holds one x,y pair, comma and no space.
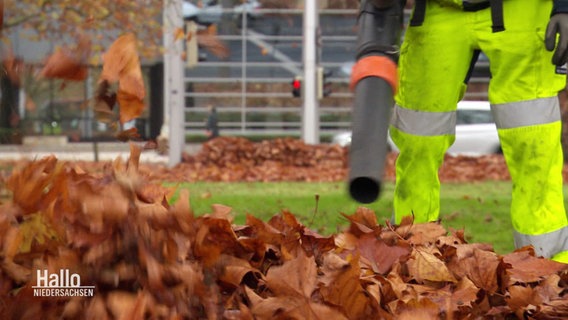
128,135
424,266
479,266
96,309
523,267
296,277
13,66
363,220
343,288
422,233
423,309
121,63
213,44
68,63
234,270
127,306
379,254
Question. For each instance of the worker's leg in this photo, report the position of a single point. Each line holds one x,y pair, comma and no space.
523,93
432,67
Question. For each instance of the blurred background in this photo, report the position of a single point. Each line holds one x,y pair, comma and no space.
248,65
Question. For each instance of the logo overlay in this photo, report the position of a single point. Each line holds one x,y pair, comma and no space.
62,284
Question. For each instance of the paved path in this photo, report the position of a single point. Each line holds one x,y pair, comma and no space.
85,151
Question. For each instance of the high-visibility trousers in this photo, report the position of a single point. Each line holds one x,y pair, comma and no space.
434,61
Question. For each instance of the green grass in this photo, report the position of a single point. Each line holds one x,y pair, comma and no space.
481,209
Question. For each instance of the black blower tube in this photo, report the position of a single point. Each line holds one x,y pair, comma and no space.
379,35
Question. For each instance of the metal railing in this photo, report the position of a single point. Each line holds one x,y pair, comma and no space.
252,88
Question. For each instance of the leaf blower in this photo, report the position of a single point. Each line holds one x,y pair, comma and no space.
374,82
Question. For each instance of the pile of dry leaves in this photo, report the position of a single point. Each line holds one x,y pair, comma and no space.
288,159
239,159
150,258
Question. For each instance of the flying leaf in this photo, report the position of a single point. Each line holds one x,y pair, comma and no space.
128,134
121,63
178,34
13,66
68,63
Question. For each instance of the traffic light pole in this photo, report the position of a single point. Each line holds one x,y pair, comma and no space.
310,119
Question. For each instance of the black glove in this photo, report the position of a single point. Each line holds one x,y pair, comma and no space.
558,24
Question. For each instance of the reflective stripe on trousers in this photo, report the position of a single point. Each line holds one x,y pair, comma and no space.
529,132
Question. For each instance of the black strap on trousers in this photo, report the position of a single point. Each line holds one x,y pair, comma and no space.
495,5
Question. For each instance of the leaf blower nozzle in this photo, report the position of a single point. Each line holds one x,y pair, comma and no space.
365,189
373,81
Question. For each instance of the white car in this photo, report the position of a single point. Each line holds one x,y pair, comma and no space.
209,12
252,8
476,133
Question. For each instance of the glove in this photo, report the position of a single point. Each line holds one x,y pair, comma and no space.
558,24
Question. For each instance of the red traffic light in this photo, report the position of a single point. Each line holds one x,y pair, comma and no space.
296,87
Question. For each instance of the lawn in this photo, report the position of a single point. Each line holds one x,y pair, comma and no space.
481,209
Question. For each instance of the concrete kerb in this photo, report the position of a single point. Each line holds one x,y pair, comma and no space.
84,151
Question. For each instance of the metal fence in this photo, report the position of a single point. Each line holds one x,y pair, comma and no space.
251,88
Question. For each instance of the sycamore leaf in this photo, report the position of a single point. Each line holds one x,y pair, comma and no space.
422,233
480,266
423,309
424,266
344,289
379,254
524,267
296,277
234,270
